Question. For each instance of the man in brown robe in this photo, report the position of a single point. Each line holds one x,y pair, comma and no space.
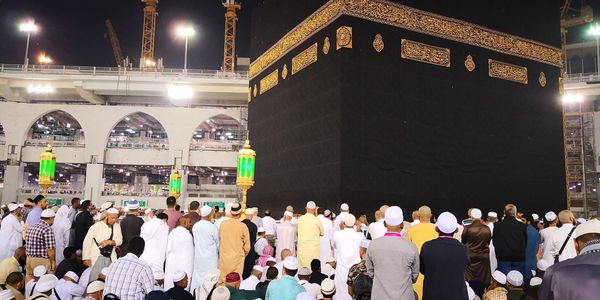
234,243
477,237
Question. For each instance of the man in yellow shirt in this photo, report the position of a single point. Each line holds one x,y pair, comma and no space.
11,264
419,234
310,230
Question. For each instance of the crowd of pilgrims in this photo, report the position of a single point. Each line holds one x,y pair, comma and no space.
84,252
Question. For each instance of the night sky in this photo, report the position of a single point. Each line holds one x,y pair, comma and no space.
73,31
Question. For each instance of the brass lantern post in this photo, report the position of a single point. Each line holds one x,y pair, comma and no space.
245,172
175,184
47,169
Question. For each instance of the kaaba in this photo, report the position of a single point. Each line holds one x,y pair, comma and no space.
450,104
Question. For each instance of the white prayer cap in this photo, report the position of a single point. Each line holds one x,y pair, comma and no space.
148,210
535,281
515,278
394,216
260,229
158,274
48,213
39,271
542,264
271,259
492,214
344,207
327,286
205,211
258,268
104,271
6,295
228,207
311,205
304,271
288,213
365,243
255,209
550,216
290,263
592,226
220,293
249,211
304,296
447,223
327,212
535,217
21,205
349,220
581,220
179,276
112,211
12,207
476,213
106,205
499,277
72,275
46,283
95,286
470,291
133,204
235,208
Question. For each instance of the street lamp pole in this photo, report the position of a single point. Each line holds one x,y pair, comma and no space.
26,62
185,55
28,28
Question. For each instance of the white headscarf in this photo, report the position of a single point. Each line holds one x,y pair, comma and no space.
62,217
61,228
210,279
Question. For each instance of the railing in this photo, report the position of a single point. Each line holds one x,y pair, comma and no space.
130,145
228,145
136,194
99,71
582,77
44,143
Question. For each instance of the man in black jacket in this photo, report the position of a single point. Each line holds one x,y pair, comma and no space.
510,241
444,262
83,222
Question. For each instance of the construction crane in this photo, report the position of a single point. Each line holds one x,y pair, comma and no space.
570,17
229,46
148,33
114,42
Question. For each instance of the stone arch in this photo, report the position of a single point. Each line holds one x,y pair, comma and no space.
219,132
138,130
57,127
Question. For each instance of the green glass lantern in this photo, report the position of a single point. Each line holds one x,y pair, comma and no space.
245,170
175,184
47,169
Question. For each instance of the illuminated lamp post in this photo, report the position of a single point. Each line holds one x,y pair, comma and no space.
175,184
245,172
47,169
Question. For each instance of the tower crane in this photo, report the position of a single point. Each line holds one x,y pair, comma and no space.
114,42
229,45
577,17
148,34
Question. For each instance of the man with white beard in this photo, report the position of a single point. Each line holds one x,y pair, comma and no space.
325,245
180,252
11,232
347,253
155,232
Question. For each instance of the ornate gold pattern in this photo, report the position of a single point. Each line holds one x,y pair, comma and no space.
304,59
507,71
249,94
378,43
343,37
542,79
401,16
425,53
326,45
254,91
269,81
315,22
469,63
284,72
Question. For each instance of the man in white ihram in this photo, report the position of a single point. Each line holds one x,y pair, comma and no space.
346,243
155,233
11,231
180,252
344,209
325,245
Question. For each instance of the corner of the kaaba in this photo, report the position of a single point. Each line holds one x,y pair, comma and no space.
393,115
